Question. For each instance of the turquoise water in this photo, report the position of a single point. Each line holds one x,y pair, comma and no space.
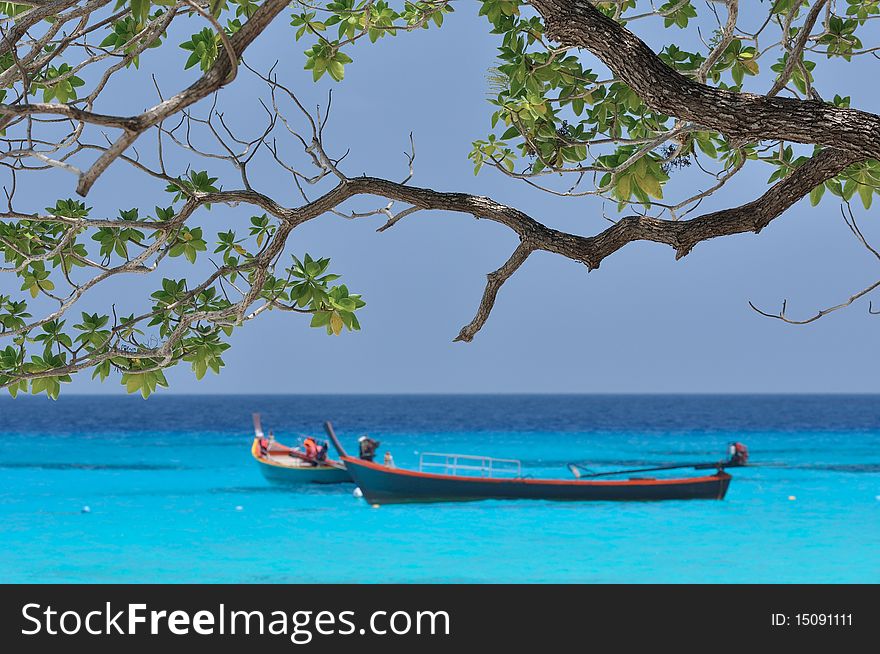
175,497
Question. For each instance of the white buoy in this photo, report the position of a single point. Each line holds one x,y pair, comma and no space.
239,508
792,498
375,506
86,509
359,493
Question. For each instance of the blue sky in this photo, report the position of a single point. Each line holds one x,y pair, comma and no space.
641,323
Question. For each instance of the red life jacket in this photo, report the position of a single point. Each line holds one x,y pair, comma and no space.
264,446
740,453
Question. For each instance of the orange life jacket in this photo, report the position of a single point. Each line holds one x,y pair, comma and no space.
310,447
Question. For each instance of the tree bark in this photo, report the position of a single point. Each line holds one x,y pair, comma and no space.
740,116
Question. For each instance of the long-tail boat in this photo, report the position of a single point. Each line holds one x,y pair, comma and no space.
503,479
288,466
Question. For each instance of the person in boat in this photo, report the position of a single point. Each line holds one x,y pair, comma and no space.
266,444
310,450
368,447
321,454
739,454
389,460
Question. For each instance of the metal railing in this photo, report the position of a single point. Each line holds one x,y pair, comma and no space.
456,464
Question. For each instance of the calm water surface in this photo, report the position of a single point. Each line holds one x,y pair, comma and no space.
175,497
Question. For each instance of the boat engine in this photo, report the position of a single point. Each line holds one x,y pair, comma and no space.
368,447
739,454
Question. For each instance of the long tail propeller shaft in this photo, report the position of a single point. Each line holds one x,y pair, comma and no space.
739,455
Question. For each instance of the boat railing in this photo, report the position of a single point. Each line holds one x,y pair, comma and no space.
468,464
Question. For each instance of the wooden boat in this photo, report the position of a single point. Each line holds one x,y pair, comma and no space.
502,479
284,465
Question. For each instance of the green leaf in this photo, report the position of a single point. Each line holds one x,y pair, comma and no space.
320,319
866,193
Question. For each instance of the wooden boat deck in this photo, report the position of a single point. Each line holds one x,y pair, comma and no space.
286,461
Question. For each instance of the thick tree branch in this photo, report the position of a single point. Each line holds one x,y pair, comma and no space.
682,235
191,317
742,116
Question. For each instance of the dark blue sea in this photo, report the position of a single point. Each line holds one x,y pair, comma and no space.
173,494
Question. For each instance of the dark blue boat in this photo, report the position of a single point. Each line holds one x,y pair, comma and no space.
383,484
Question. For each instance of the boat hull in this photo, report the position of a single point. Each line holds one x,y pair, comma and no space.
383,485
297,476
294,474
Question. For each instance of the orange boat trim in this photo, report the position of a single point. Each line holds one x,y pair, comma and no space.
551,482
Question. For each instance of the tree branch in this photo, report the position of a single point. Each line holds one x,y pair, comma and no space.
494,281
682,235
795,54
744,116
217,76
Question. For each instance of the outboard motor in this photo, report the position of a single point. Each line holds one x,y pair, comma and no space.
321,454
739,454
368,448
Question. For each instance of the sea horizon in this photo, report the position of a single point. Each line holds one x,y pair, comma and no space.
98,489
163,393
